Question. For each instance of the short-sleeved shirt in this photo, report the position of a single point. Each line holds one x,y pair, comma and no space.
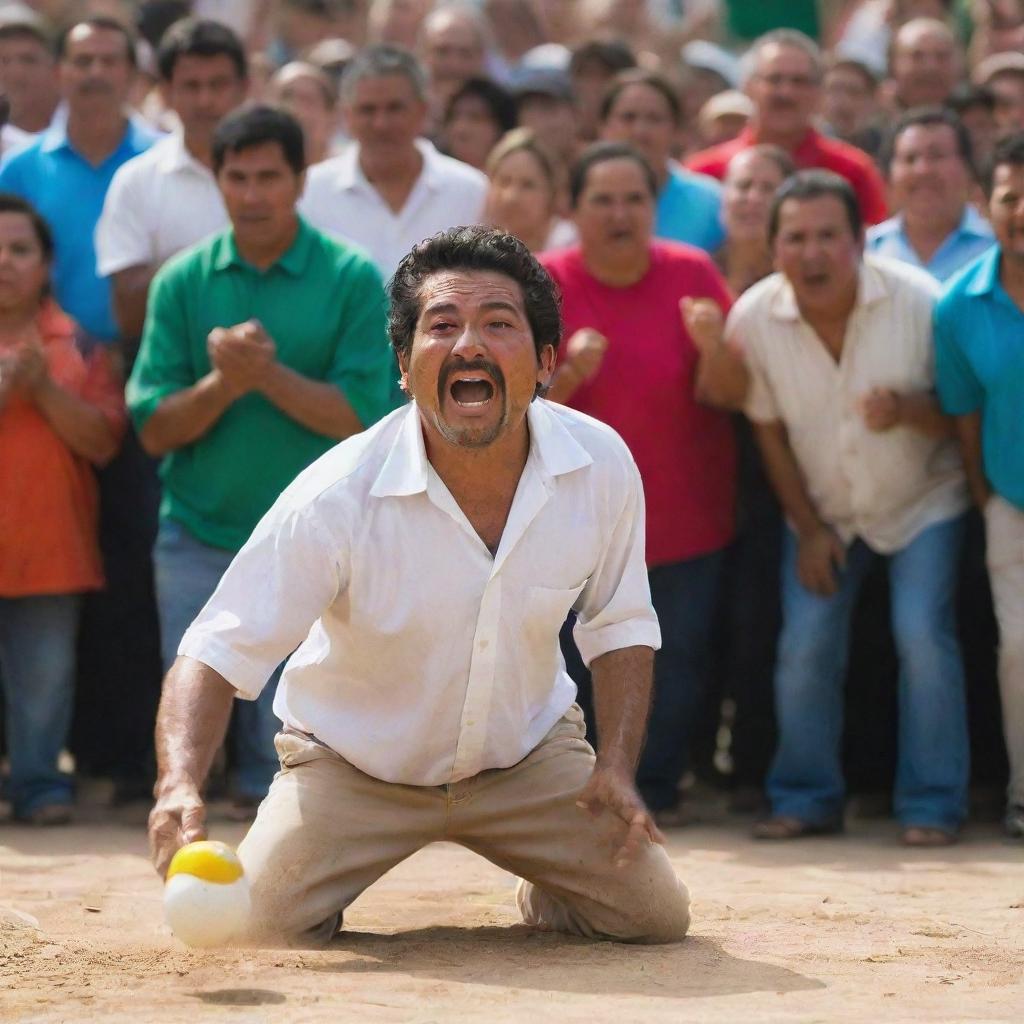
644,390
971,237
690,209
69,191
885,487
48,499
323,304
814,150
158,203
979,340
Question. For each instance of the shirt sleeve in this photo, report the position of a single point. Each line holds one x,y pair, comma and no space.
103,388
614,608
280,583
121,238
960,391
870,189
760,406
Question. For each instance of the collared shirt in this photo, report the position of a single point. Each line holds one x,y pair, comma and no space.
422,658
814,150
323,304
689,209
968,240
158,204
69,191
884,487
339,200
979,341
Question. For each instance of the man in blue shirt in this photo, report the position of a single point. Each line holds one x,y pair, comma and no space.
65,175
930,174
979,324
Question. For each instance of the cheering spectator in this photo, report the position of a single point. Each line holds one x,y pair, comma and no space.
28,73
478,115
925,65
311,97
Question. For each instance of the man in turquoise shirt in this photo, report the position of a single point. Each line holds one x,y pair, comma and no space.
979,337
263,347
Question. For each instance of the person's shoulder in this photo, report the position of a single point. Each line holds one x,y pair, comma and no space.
845,158
23,160
194,260
454,173
682,258
957,291
346,257
751,312
690,182
600,441
878,234
906,283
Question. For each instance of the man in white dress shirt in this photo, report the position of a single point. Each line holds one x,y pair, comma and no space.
167,199
420,572
391,189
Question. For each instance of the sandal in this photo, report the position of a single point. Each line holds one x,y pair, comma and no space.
783,827
922,835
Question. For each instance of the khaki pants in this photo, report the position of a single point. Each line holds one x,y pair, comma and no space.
1004,533
326,831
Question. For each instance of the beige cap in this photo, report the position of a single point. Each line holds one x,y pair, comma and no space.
731,102
996,64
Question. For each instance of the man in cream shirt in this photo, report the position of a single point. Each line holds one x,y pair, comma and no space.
420,572
839,383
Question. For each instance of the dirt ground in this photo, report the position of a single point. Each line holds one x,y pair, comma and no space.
833,930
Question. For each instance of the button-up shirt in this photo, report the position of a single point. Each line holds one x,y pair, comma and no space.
341,201
979,339
422,658
966,242
884,487
158,204
68,191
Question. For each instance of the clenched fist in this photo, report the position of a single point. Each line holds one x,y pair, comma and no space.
704,320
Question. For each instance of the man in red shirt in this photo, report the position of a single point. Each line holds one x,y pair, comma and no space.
785,85
631,363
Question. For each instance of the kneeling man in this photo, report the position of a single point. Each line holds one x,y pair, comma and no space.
420,572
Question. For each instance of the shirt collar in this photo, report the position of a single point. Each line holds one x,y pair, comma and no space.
349,175
872,287
176,157
135,138
293,261
553,450
985,276
805,150
971,223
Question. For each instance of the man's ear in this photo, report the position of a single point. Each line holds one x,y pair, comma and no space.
546,364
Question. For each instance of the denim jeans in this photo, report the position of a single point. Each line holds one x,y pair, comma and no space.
37,664
187,573
806,779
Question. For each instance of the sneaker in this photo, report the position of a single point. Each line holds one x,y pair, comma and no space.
1013,823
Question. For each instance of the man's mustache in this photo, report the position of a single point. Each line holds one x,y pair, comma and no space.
481,365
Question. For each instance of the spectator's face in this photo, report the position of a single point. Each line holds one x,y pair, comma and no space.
471,130
928,177
1008,89
304,98
1006,210
384,114
23,269
643,117
589,82
980,123
925,66
260,191
27,70
552,119
615,212
750,182
202,90
819,254
848,100
473,367
521,200
785,90
452,52
398,21
96,70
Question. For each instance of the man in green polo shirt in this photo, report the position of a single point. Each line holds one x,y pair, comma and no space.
263,347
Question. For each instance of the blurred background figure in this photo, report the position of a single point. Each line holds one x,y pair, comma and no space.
925,65
1003,75
479,113
516,28
592,66
299,25
28,70
398,22
709,70
723,117
849,104
975,105
452,47
545,103
311,97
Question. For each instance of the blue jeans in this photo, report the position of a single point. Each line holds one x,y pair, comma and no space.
187,573
684,596
37,664
806,780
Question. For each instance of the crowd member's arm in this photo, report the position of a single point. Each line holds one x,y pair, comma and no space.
584,353
884,409
722,378
968,429
130,288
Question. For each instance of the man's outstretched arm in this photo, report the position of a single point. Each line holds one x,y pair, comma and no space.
194,712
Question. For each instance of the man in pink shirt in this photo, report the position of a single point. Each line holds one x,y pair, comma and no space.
631,363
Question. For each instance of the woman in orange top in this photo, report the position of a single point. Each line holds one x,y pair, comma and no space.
61,409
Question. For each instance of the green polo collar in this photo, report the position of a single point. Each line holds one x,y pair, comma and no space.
293,261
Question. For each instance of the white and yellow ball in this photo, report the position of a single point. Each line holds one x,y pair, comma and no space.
206,895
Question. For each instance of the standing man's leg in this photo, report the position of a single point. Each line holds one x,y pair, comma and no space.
931,778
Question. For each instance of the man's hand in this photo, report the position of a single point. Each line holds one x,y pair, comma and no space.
178,818
819,554
611,788
243,355
585,352
704,321
882,409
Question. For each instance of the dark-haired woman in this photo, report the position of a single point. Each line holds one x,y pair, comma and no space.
478,115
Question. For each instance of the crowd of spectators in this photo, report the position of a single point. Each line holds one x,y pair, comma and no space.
789,240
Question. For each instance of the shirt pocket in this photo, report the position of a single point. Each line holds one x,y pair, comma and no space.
544,612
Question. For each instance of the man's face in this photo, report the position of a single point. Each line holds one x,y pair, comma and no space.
473,368
552,119
751,180
819,254
452,52
27,70
642,117
202,90
928,176
260,191
1006,210
848,100
1008,89
785,89
384,114
615,211
96,70
925,65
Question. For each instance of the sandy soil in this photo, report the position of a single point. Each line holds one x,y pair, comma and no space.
839,929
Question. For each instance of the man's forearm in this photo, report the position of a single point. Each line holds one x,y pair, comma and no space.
82,427
622,702
786,479
722,378
968,429
921,412
186,416
317,405
130,290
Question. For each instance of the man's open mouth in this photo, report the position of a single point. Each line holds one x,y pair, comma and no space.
471,392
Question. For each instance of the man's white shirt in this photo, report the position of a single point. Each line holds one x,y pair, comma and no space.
421,658
885,487
339,200
158,204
